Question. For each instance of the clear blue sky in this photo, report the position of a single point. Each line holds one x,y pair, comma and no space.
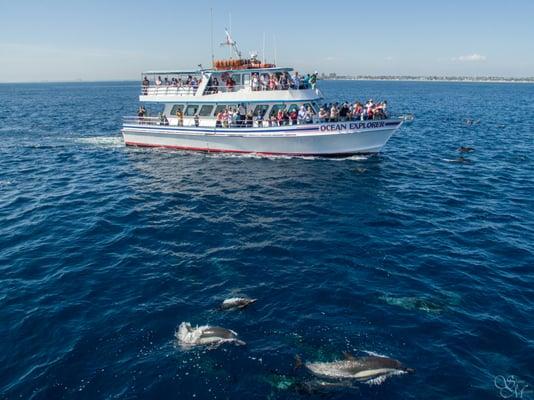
101,40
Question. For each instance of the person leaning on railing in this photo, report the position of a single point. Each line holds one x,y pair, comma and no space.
146,84
180,117
313,80
141,112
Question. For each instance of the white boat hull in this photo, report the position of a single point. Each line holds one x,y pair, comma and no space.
325,139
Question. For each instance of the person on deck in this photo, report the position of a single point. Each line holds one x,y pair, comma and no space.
296,81
249,120
280,117
293,116
255,83
215,85
141,114
180,117
323,115
334,113
313,80
302,115
272,82
219,119
146,84
308,117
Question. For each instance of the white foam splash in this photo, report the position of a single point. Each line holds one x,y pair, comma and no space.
189,337
104,141
373,353
381,379
257,156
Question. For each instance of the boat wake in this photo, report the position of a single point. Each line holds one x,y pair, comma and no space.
285,157
102,141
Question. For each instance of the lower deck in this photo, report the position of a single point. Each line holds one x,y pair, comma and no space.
325,139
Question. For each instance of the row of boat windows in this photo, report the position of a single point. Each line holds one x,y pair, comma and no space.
208,110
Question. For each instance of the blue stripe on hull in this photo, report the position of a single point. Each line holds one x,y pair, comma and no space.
213,131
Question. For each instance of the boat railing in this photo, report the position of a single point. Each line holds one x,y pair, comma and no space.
213,89
171,90
166,90
189,122
143,120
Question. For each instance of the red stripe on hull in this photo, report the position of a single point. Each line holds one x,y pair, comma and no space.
206,150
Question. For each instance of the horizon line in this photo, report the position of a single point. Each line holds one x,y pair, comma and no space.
364,77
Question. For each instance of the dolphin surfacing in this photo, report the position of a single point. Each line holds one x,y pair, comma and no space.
205,335
369,369
236,303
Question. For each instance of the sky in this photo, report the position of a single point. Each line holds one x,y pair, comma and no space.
60,40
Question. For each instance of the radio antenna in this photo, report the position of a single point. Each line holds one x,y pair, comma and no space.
274,49
211,39
263,56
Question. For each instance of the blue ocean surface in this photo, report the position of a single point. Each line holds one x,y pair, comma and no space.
412,254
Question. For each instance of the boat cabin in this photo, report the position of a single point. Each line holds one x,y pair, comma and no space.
253,89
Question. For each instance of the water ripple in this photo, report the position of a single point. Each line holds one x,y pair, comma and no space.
106,249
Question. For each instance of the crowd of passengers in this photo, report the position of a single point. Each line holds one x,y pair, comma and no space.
333,112
191,82
353,112
258,81
239,117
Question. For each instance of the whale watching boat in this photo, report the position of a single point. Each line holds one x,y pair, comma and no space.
248,106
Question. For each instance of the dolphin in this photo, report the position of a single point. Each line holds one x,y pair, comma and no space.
465,149
307,386
415,303
368,369
236,303
459,160
205,335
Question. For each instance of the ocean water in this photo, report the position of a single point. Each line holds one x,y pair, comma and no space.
105,250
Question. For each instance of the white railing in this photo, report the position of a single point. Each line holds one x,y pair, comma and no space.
166,90
260,88
171,90
210,122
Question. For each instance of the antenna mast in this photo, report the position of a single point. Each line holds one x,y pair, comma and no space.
275,50
232,44
211,39
263,55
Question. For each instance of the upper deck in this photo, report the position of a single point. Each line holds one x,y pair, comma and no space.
269,84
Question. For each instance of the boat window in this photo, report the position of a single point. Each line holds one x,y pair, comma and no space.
206,110
306,105
276,108
293,107
177,107
237,79
191,110
260,110
219,108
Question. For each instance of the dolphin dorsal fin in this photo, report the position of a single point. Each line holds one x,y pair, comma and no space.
348,356
298,362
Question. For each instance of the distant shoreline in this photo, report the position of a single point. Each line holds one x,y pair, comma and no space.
337,78
434,79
